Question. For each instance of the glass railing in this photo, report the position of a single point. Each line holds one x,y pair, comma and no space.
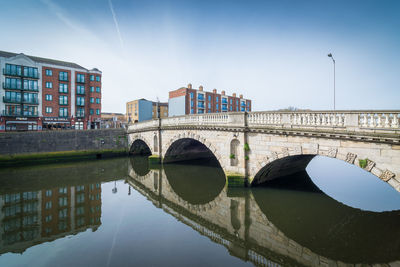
12,86
19,113
11,99
31,101
9,73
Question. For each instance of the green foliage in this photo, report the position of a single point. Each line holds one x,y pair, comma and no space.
246,147
232,156
246,157
363,163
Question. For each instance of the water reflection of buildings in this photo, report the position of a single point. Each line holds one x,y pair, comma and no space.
33,217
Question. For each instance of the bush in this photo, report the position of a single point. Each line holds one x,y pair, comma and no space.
232,156
246,147
363,163
246,157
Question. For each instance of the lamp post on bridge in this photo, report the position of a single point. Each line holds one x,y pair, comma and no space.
334,81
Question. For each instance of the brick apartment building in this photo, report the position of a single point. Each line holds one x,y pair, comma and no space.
187,100
40,93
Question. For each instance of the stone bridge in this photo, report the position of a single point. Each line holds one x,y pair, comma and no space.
246,223
260,146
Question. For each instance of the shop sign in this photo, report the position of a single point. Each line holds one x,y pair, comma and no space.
21,119
55,119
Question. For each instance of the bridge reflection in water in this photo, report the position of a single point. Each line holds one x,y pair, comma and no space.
289,223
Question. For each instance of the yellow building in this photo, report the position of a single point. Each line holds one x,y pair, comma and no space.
142,110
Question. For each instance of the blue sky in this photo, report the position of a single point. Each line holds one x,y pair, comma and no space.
274,52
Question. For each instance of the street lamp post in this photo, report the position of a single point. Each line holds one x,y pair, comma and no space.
334,81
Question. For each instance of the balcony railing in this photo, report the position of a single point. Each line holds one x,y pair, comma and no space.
8,73
31,101
11,100
16,87
19,113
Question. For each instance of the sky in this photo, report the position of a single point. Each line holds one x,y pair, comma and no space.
273,52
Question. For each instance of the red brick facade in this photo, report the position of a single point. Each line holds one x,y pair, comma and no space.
212,101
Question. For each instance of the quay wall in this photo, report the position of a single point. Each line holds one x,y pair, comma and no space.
15,144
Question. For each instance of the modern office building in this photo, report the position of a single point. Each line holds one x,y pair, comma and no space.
187,100
142,110
41,93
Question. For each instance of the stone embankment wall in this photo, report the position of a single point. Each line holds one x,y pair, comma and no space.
95,141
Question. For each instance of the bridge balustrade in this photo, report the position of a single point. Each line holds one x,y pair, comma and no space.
386,120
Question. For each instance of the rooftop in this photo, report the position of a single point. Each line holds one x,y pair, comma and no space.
45,60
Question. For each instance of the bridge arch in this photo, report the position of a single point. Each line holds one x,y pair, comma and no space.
139,146
290,160
169,146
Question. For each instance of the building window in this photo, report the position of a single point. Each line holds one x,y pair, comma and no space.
191,103
97,100
191,95
80,78
31,85
49,193
191,111
217,107
49,85
92,77
49,109
91,89
31,72
13,83
80,113
49,97
97,111
209,98
91,111
80,101
63,88
216,99
63,76
49,72
13,70
80,89
63,112
97,78
92,100
49,204
48,218
98,89
63,100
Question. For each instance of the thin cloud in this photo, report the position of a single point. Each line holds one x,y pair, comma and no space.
116,23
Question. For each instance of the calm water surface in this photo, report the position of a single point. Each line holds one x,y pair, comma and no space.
123,212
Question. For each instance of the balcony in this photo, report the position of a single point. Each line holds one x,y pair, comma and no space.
19,113
12,86
15,74
11,100
31,101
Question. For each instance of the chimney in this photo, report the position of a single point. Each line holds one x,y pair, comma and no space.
241,96
214,91
234,94
189,86
223,93
201,88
